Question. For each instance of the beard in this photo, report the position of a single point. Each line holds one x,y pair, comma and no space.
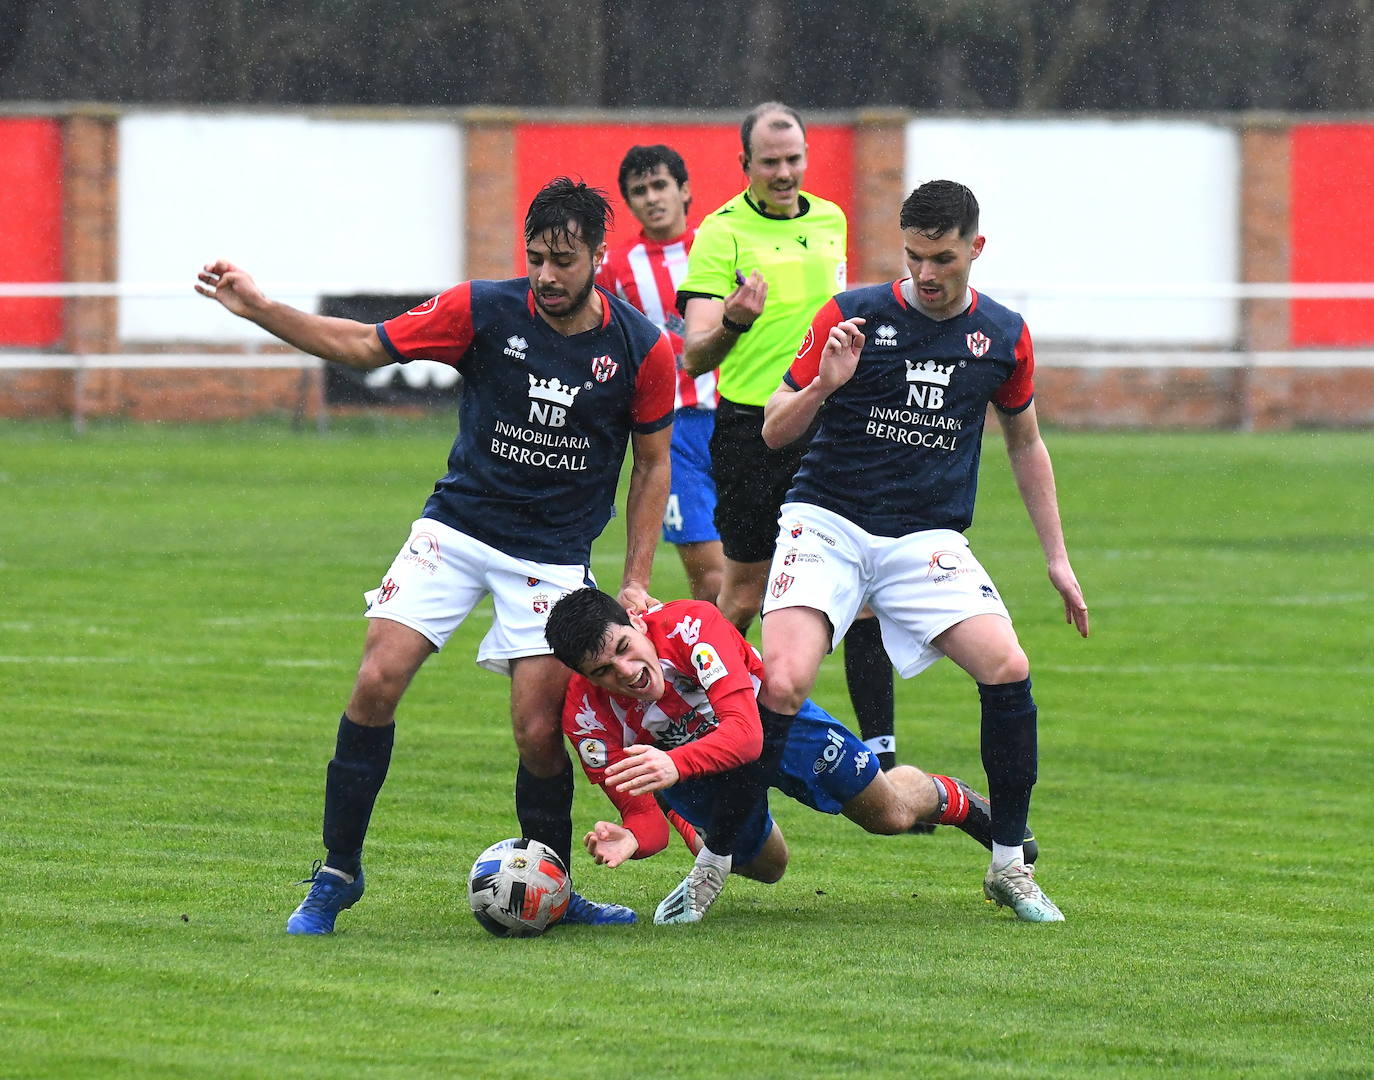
577,300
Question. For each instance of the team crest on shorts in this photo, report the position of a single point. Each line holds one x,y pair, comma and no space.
603,367
978,342
387,591
781,584
795,529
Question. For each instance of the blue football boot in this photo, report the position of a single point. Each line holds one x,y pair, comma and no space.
584,912
330,893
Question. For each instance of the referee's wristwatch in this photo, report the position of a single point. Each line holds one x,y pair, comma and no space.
735,327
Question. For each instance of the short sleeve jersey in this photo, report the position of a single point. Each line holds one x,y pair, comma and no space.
704,658
646,273
896,448
543,419
803,261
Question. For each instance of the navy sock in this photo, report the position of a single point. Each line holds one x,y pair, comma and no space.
1009,756
745,789
543,807
868,674
362,756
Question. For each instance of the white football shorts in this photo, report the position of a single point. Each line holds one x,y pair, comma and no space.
919,585
440,575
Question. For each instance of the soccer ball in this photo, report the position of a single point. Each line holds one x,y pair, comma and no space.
518,888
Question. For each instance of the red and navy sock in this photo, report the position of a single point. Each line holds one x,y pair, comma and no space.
362,756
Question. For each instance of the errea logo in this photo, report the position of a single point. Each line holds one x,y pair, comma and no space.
516,346
885,335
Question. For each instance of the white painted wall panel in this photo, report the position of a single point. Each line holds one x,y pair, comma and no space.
333,205
1119,207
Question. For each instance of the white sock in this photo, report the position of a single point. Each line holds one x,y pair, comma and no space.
1004,856
707,857
338,873
882,744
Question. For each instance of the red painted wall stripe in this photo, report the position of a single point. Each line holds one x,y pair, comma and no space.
592,152
31,225
1331,229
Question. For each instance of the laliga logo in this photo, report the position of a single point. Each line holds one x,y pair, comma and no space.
550,401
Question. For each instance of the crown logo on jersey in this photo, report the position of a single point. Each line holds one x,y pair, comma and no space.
553,390
928,372
885,335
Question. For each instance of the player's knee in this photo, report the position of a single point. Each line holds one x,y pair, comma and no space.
540,746
1011,667
784,689
375,694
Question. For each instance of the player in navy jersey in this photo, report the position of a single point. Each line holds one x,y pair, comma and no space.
898,378
646,271
558,377
664,704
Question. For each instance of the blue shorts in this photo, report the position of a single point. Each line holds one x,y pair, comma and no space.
690,516
823,766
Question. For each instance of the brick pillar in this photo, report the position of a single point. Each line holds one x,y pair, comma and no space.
90,195
879,188
1264,214
490,187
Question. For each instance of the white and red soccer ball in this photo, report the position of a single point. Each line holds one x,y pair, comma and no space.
518,888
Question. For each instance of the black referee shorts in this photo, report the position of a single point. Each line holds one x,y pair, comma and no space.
751,481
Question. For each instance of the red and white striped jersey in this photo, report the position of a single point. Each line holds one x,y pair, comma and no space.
646,273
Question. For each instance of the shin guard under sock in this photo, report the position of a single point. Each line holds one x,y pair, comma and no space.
1009,756
543,806
355,775
868,674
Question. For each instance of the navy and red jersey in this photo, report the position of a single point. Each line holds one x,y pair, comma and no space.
707,719
646,273
896,449
543,419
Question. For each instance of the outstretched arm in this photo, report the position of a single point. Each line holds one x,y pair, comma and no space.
345,341
644,504
1030,465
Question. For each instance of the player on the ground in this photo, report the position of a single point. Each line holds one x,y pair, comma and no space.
760,267
665,701
646,271
899,377
558,378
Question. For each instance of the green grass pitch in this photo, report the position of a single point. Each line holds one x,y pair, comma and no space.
180,628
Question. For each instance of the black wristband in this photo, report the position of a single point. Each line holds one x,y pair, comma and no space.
734,327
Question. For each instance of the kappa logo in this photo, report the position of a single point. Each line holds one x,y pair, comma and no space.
586,719
885,335
603,367
978,343
781,584
689,630
861,761
516,346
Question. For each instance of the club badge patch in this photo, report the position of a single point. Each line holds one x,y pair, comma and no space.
603,367
978,343
781,584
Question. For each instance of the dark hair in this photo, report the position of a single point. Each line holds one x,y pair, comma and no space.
580,623
562,203
643,159
938,206
757,113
